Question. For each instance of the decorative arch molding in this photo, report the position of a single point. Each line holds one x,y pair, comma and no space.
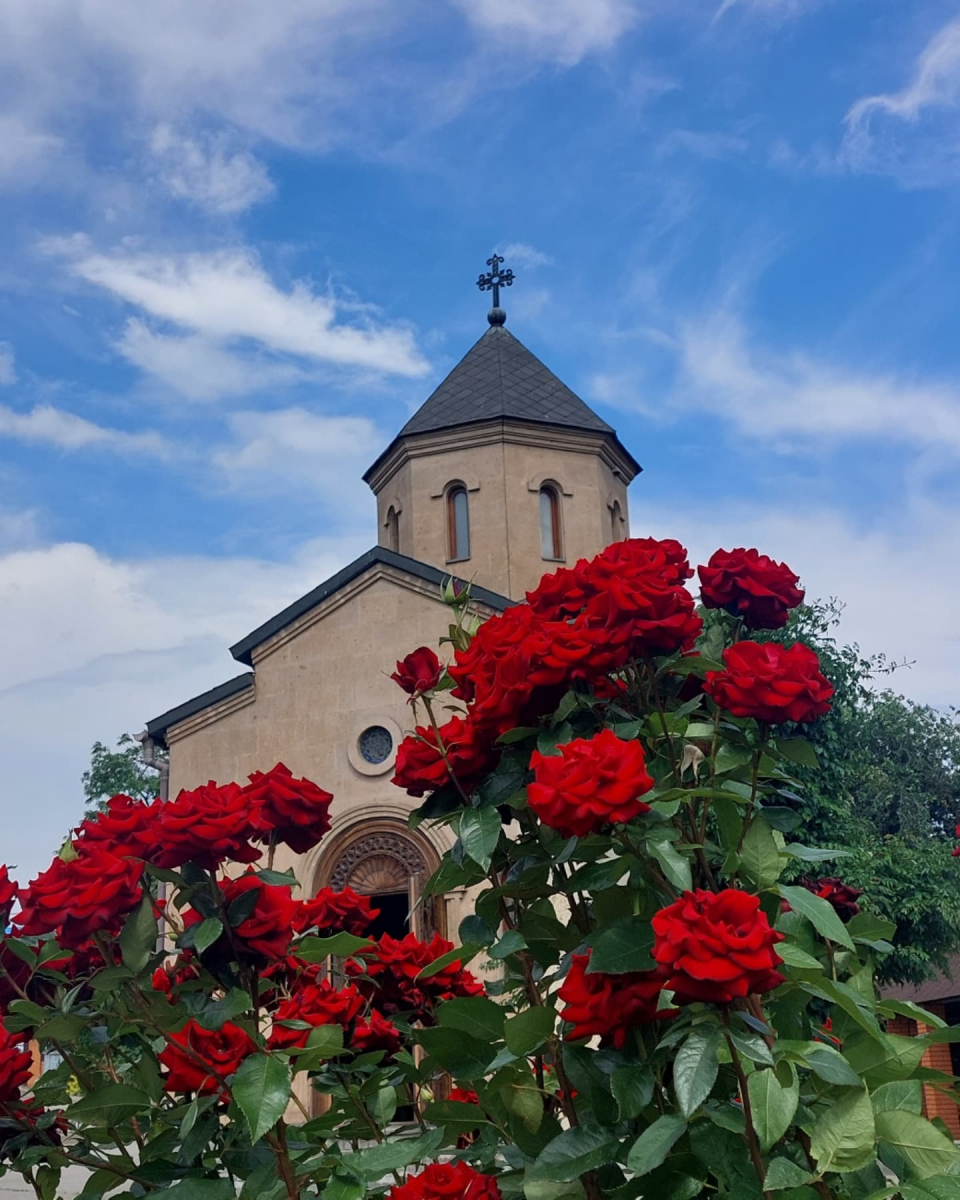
391,502
468,480
537,483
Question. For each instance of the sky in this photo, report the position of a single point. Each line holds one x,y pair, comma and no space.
239,245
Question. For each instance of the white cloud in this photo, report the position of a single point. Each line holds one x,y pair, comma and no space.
707,144
8,373
226,296
50,426
563,30
936,81
24,149
776,8
204,171
198,368
524,255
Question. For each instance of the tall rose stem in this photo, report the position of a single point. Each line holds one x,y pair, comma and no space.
750,1133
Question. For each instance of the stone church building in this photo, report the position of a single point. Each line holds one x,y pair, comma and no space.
503,474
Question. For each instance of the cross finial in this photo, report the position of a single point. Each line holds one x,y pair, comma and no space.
494,279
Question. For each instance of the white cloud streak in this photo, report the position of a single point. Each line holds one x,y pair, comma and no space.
206,172
564,31
48,426
8,370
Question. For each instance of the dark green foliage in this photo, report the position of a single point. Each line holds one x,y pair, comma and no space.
115,772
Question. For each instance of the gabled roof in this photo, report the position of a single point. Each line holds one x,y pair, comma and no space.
243,650
157,728
499,379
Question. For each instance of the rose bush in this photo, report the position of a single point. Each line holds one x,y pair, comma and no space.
654,995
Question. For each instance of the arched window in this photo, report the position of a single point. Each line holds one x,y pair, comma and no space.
551,538
458,523
393,529
616,522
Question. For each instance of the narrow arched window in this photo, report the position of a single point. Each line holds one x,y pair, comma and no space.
393,529
551,539
616,522
458,523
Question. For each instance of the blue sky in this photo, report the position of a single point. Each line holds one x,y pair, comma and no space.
238,245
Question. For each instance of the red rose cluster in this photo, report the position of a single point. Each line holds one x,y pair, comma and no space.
265,933
609,1006
91,893
14,1066
447,1181
751,586
716,947
318,1003
202,1060
592,782
387,973
840,895
8,895
331,912
771,683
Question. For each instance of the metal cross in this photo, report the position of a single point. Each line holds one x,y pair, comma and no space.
495,279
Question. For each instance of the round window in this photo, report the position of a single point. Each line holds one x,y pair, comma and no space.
375,744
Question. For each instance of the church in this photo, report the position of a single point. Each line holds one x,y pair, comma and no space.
502,475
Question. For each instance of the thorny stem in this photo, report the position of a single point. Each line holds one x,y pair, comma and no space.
278,1142
750,1133
443,750
822,1187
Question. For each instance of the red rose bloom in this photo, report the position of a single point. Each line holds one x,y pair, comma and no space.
771,682
375,1033
419,672
201,1060
590,783
389,973
207,826
421,768
559,594
266,933
15,1064
463,1096
126,827
8,894
751,586
317,1004
716,947
283,809
609,1006
331,912
447,1181
664,559
836,892
643,614
91,894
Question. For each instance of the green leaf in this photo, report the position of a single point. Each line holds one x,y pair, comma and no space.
655,1143
479,834
621,947
928,1151
476,1015
819,912
461,954
632,1088
510,943
138,939
463,1056
573,1153
528,1030
525,1102
376,1161
773,1105
798,750
201,1189
695,1069
730,757
323,1043
317,949
793,956
844,1136
945,1187
383,1105
216,1013
752,1046
261,1088
814,853
830,1065
109,1105
759,855
676,866
782,1173
905,1094
207,933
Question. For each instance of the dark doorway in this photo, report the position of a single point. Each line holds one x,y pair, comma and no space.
394,917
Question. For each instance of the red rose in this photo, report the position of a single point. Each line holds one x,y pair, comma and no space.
771,682
419,672
8,894
331,912
560,594
447,1181
316,1004
266,932
283,809
643,614
375,1033
666,559
421,767
201,1060
590,783
389,973
836,892
751,586
716,947
463,1096
126,827
15,1065
205,826
609,1006
91,894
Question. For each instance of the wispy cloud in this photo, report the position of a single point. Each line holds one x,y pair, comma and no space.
227,297
205,171
49,426
562,30
702,143
8,371
524,255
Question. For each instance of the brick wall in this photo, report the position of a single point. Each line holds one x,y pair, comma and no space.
935,1103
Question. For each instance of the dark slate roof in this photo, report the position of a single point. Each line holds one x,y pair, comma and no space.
944,986
157,728
243,650
499,379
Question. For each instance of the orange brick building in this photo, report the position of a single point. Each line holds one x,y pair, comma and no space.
940,996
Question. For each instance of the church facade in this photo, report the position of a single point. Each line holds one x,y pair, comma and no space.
502,475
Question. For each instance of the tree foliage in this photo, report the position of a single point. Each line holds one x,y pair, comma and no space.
121,771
